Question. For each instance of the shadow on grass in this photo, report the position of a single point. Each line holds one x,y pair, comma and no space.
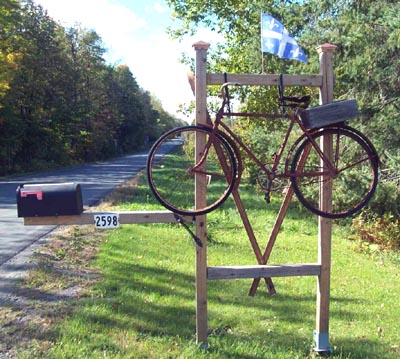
154,302
148,308
361,348
158,302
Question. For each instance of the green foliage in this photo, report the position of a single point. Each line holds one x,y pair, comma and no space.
60,103
386,200
366,67
10,42
366,62
379,223
383,230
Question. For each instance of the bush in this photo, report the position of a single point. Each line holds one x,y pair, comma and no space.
386,200
384,231
380,222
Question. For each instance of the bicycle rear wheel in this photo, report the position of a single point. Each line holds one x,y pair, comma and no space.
354,180
171,176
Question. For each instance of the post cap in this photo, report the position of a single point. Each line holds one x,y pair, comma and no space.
326,47
201,45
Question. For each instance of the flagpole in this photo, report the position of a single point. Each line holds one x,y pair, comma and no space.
262,53
262,62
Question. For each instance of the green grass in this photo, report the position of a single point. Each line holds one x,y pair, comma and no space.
175,183
145,305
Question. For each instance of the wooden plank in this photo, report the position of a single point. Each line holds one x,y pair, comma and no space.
274,234
266,79
325,224
129,217
329,114
278,223
200,192
263,271
252,237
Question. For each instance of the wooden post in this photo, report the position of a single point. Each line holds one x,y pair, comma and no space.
200,190
321,333
325,81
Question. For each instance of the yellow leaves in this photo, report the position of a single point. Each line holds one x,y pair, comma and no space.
10,61
14,58
8,66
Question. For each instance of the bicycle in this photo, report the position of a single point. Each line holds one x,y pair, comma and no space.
173,167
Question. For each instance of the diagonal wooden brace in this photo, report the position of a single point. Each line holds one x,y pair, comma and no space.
243,214
272,237
252,239
279,220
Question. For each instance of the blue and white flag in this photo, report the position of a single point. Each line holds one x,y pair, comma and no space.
275,39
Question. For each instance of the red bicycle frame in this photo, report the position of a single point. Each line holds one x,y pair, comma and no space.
233,139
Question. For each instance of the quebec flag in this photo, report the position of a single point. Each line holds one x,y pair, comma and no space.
275,39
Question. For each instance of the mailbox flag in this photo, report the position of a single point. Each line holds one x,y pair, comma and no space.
275,39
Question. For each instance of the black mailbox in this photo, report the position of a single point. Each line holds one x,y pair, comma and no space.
49,199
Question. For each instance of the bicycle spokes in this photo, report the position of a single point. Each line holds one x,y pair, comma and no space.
352,173
173,170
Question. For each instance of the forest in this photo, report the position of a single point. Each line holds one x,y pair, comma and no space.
60,102
366,65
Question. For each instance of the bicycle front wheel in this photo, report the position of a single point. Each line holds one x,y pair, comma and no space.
172,177
353,179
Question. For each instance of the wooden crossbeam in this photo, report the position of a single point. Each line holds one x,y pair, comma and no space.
263,271
266,79
128,217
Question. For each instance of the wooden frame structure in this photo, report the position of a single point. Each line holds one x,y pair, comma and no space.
204,273
324,81
128,217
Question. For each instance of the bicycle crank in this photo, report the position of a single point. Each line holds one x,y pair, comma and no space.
268,181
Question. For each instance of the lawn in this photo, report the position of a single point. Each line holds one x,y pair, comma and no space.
144,304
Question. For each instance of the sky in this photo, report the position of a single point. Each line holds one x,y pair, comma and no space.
134,34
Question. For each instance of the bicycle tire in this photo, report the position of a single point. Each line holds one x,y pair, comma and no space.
355,181
364,138
170,177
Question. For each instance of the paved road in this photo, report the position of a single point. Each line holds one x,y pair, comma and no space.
95,179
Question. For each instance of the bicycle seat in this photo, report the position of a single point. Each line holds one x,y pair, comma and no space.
294,101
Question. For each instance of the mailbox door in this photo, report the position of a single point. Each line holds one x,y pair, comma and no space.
49,199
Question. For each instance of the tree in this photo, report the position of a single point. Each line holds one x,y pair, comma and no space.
10,43
367,35
60,103
163,122
239,23
91,129
10,56
128,98
28,103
